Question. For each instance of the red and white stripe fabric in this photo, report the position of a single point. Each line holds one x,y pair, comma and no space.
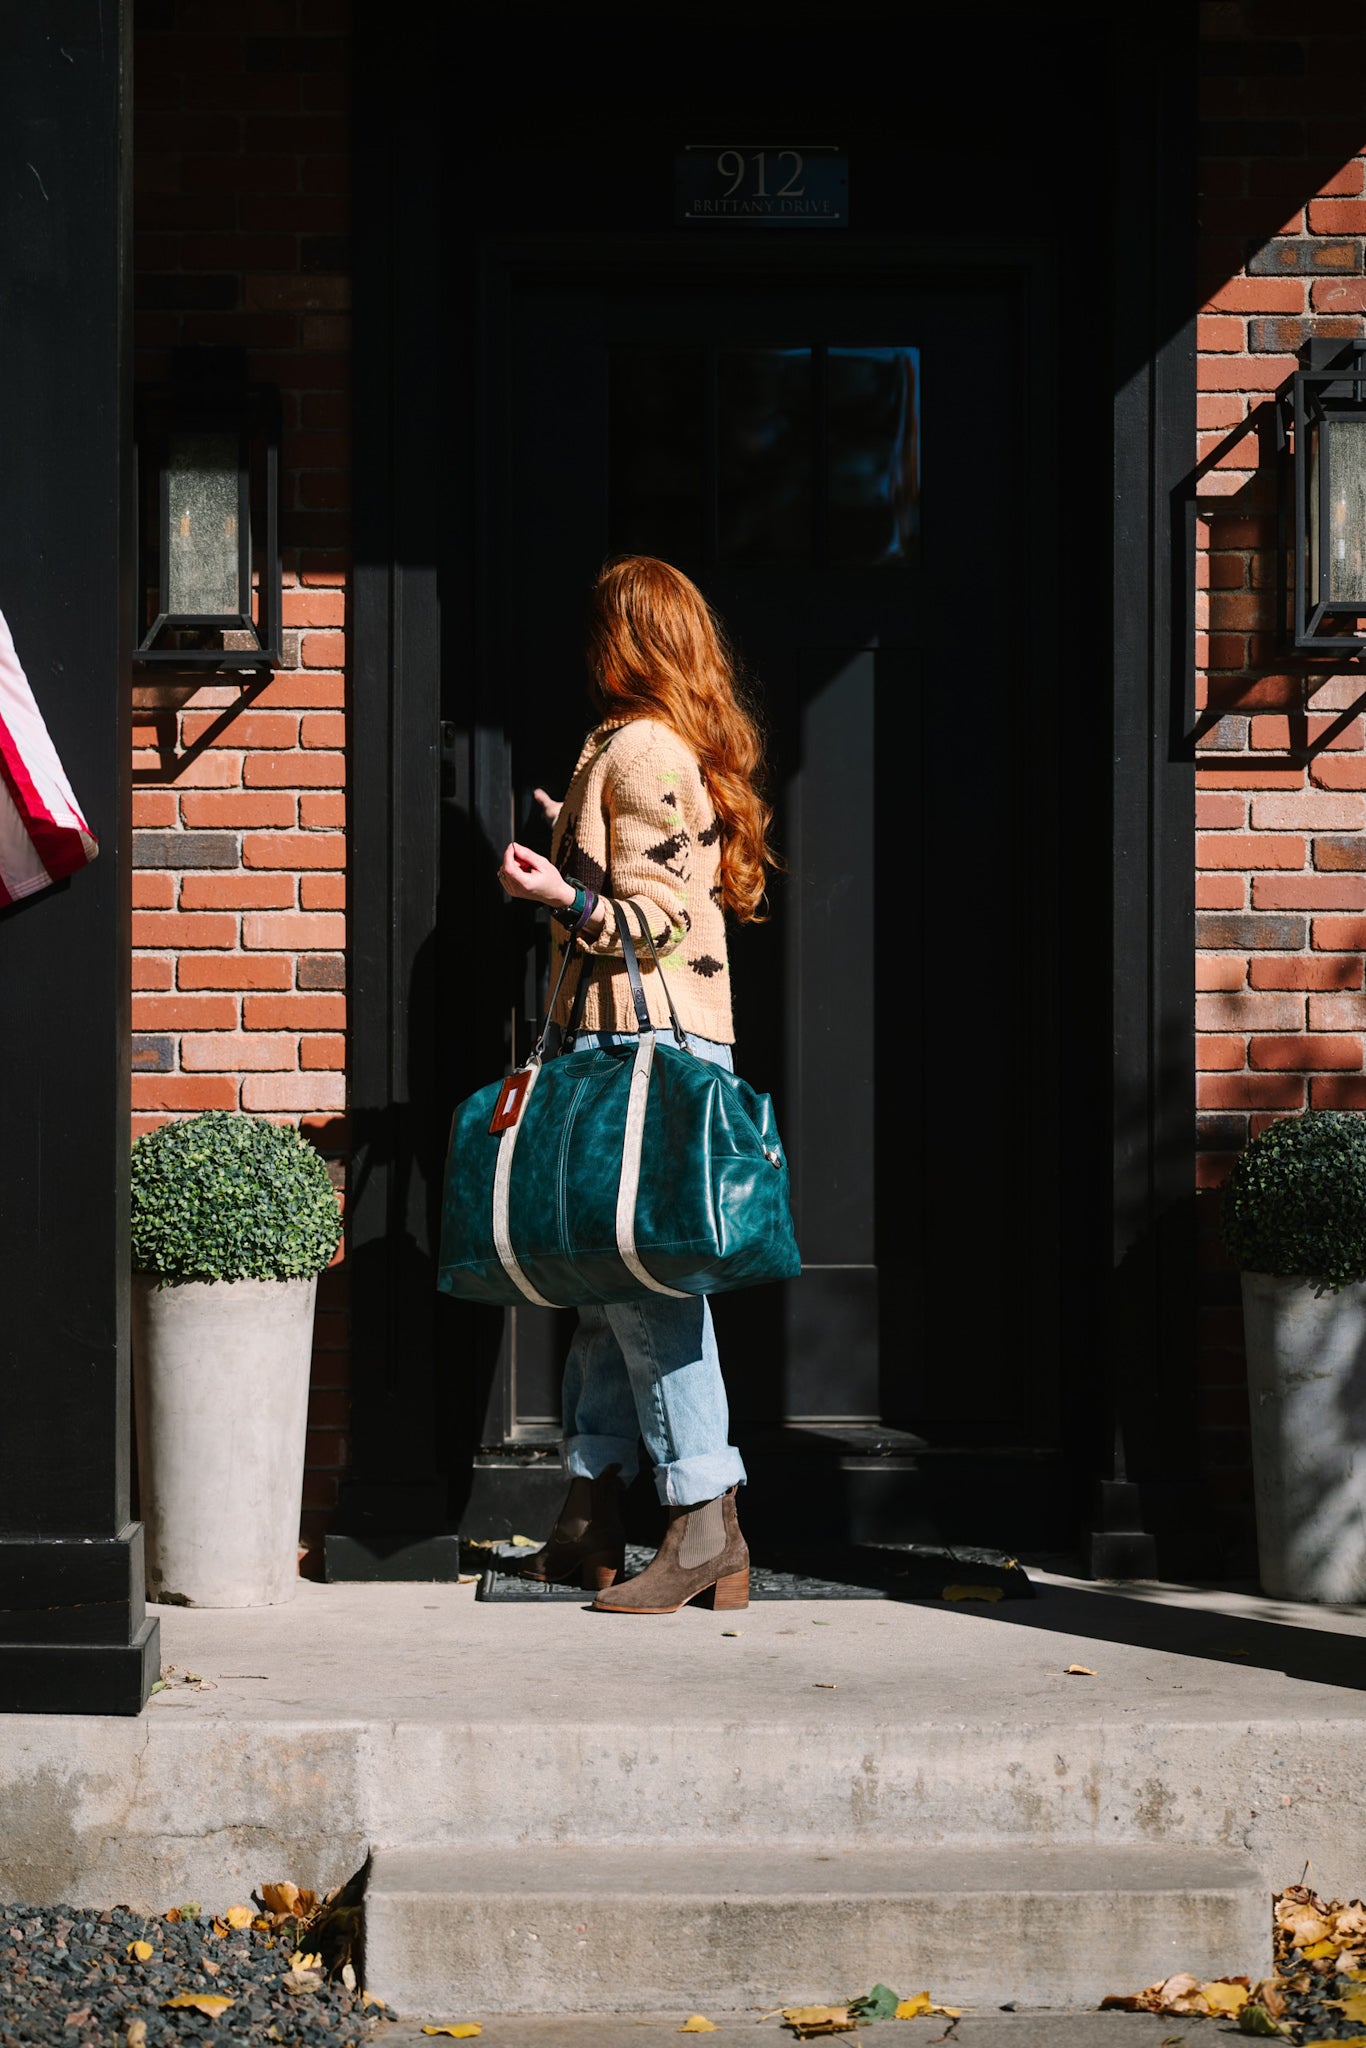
42,834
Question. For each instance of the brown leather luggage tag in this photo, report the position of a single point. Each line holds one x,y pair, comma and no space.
511,1097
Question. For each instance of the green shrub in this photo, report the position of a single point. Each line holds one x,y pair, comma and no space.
224,1197
1296,1200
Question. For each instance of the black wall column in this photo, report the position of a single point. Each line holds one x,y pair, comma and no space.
73,1634
1150,1486
392,1518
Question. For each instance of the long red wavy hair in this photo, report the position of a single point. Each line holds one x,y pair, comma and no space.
657,650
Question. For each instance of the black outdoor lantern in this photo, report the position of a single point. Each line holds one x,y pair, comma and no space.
208,467
1328,421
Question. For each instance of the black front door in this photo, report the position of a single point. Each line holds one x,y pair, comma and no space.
839,453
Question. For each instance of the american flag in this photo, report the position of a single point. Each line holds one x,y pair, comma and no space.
42,833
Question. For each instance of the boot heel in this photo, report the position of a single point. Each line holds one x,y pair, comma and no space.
728,1593
596,1574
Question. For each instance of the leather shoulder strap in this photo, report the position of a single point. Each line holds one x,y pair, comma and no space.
632,964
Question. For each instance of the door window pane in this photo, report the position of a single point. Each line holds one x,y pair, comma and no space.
657,407
873,439
763,454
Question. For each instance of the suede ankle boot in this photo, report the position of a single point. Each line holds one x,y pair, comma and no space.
588,1542
703,1557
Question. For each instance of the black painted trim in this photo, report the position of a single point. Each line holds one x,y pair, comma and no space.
393,1486
74,1637
1151,1319
1136,1274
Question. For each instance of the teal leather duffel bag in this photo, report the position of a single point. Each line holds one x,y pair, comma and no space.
614,1173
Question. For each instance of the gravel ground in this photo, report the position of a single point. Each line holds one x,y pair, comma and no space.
67,1976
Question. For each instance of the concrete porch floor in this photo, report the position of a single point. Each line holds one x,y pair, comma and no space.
404,1716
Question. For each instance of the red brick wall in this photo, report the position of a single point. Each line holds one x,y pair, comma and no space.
239,919
1281,891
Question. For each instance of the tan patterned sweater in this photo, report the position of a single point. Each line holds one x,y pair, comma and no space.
637,820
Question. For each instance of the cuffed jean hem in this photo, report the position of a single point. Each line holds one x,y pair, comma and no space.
588,1457
692,1480
682,1485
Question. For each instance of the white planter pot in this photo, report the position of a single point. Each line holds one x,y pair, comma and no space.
220,1374
1306,1370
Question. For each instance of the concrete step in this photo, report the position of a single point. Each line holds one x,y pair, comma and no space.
389,1715
548,1929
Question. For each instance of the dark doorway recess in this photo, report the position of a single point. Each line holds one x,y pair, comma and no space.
885,452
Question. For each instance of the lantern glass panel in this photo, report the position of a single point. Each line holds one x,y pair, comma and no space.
1344,447
204,543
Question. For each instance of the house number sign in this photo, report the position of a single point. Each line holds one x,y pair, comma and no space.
719,185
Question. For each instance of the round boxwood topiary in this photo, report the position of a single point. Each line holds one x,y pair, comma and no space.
224,1197
1296,1200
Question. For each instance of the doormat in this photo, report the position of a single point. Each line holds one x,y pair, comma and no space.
913,1571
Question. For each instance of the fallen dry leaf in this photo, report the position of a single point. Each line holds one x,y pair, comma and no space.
1182,1993
1225,1994
459,2030
206,1964
279,1898
1255,2019
695,2023
139,1951
808,2022
1317,1950
211,2003
911,2008
1350,1920
971,1593
1303,1922
137,2034
524,1542
1352,2007
1079,1671
239,1916
300,1983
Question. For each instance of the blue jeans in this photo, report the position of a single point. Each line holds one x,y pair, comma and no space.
649,1370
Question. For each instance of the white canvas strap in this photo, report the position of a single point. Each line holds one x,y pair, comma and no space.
502,1191
629,1184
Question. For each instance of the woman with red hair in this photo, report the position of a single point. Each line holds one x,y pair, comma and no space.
663,812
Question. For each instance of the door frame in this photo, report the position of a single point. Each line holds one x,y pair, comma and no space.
1025,264
413,591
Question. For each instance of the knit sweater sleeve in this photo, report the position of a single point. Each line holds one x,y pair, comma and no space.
651,791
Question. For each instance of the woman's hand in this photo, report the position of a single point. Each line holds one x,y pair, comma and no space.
549,804
534,878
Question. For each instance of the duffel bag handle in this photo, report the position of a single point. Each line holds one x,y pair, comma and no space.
679,1033
633,976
